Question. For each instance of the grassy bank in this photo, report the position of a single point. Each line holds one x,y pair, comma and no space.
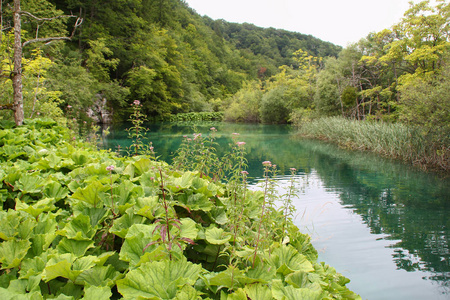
398,141
78,223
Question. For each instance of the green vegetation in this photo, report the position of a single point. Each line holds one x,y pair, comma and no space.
397,140
78,223
161,53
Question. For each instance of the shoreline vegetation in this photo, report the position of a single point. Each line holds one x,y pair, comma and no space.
429,151
82,223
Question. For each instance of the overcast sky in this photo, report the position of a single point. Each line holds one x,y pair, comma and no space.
338,21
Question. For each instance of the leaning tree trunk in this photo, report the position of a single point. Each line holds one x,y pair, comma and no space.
17,72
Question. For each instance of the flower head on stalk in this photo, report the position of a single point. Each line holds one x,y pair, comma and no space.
267,163
110,168
136,102
240,144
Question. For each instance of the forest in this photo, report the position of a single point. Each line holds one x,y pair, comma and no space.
161,53
90,62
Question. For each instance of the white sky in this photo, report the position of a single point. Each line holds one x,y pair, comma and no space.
338,21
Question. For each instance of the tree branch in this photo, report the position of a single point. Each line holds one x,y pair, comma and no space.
50,39
45,19
7,106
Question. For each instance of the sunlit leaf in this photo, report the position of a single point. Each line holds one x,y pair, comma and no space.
158,279
78,248
188,228
59,269
12,252
43,205
30,183
99,276
217,236
97,293
79,229
92,194
31,267
237,295
281,292
286,260
9,221
55,190
136,240
258,291
187,292
122,224
195,201
298,279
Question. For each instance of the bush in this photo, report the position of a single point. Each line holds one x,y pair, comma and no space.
274,108
244,105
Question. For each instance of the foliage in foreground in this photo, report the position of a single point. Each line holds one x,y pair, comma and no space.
400,141
77,223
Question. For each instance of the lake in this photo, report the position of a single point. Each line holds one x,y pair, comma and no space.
382,224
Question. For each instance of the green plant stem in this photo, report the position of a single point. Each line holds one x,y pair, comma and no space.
262,217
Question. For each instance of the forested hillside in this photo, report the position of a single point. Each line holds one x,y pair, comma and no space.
159,52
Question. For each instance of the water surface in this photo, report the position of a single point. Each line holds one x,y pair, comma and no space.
380,223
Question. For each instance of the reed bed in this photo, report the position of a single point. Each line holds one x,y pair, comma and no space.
394,140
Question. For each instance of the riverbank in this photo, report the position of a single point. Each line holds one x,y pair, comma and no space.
398,141
82,223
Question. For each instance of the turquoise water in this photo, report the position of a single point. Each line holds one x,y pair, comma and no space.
382,224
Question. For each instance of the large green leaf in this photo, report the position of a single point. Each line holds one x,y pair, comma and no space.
30,183
187,292
231,278
124,195
41,242
181,183
55,190
149,207
9,221
237,295
138,238
286,259
122,224
262,272
31,267
60,266
79,229
36,209
258,291
99,276
281,292
298,279
161,279
96,214
97,293
67,266
12,252
93,194
195,201
78,248
12,295
188,228
217,236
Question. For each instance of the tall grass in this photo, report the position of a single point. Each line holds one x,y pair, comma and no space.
399,141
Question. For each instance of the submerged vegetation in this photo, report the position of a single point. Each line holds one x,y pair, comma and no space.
78,223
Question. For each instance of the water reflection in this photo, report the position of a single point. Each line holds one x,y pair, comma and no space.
404,208
408,206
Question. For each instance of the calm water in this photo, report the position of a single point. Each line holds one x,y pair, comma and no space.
382,224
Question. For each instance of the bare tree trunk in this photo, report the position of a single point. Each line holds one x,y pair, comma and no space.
17,72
